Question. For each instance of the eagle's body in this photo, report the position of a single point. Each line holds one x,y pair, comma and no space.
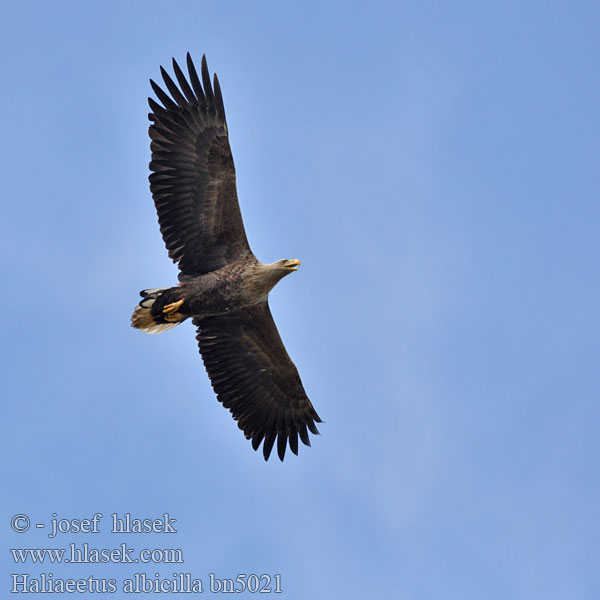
223,287
235,286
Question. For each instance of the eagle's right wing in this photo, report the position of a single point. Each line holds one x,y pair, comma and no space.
254,377
193,175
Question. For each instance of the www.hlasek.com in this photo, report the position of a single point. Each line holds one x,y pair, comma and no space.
84,553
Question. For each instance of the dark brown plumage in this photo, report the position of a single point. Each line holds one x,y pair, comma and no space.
223,287
193,176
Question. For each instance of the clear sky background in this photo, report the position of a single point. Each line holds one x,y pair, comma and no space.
435,167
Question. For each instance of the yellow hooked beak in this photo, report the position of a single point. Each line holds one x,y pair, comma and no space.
292,265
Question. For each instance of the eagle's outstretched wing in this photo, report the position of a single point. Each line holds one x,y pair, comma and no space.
255,378
193,175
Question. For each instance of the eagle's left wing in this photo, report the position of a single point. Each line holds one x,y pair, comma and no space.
254,377
193,175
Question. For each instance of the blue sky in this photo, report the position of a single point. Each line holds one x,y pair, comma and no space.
435,167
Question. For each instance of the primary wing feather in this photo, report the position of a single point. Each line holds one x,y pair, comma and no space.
254,377
193,175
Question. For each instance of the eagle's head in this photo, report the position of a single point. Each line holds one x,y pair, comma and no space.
274,272
288,265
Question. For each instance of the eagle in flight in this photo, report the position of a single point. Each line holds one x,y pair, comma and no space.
222,287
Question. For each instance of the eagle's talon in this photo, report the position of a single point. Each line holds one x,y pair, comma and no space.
174,317
171,308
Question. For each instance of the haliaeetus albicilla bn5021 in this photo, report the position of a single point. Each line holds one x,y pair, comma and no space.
222,286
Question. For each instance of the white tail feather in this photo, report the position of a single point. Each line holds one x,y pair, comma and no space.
142,317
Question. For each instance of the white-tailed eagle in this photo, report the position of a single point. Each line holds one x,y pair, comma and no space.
222,287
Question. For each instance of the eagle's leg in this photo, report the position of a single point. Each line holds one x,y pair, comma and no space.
170,311
171,308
